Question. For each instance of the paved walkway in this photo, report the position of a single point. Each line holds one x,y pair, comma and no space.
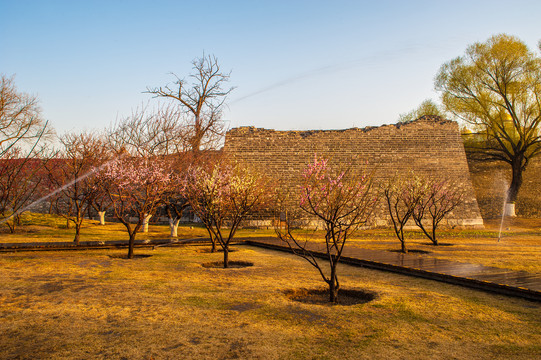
503,281
515,283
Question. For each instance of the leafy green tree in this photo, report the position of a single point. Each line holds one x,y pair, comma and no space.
427,107
495,87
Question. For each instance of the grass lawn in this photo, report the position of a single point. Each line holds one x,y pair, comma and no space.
52,228
93,304
518,249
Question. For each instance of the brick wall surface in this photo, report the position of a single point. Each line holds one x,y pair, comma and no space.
429,146
491,180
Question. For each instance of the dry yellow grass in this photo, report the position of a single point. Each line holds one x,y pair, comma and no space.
90,304
519,248
52,228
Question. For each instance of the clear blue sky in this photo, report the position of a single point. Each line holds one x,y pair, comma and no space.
295,64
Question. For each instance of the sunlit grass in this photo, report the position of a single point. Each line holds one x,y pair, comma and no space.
52,228
90,304
519,248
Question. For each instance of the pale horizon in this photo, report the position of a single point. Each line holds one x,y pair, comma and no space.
301,65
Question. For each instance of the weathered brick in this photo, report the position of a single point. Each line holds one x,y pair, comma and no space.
429,146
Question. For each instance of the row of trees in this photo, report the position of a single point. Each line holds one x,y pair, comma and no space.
159,158
89,170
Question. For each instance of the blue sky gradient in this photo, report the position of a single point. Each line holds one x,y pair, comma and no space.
295,64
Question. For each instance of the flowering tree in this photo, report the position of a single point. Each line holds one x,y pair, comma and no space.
342,201
223,196
439,199
403,194
135,186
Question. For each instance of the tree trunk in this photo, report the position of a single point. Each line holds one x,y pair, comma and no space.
403,246
11,226
403,242
101,214
434,240
226,257
145,222
333,286
77,234
517,167
173,225
212,241
130,246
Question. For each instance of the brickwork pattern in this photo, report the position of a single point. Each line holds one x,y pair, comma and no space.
491,181
429,146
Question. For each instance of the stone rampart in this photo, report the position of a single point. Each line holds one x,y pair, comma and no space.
429,146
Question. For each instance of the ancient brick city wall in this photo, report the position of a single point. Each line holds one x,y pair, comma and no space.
491,181
429,146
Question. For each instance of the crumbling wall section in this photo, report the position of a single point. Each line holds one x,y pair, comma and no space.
429,146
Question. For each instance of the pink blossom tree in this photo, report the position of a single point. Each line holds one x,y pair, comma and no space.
223,196
342,202
135,186
439,199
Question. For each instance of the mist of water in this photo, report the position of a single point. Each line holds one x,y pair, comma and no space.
56,191
505,197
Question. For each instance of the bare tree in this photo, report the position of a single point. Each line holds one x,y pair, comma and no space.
147,133
438,199
73,175
20,117
21,177
200,100
21,155
403,194
100,202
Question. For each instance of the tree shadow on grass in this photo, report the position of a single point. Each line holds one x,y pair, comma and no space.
346,297
413,251
232,264
137,256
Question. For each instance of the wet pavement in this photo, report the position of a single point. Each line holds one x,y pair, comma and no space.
504,281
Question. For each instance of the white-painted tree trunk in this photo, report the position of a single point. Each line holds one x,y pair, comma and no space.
102,217
145,222
510,210
173,225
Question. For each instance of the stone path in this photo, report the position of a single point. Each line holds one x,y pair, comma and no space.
503,281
